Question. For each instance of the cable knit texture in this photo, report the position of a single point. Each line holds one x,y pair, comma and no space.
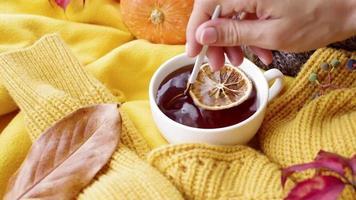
212,172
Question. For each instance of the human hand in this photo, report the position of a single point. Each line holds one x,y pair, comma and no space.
293,26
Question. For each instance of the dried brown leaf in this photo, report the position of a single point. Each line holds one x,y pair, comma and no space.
68,155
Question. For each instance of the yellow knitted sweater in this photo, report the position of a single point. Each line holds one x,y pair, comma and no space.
47,82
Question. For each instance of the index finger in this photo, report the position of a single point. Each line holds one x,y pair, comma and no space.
198,16
202,11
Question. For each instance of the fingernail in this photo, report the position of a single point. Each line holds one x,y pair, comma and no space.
209,36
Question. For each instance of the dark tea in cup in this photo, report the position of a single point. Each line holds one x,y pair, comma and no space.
184,111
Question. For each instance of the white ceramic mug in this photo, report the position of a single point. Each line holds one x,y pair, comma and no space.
239,133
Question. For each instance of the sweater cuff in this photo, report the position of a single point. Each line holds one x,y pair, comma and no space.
48,82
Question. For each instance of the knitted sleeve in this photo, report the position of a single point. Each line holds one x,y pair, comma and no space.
47,83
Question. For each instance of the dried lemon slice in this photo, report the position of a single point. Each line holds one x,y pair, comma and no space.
222,89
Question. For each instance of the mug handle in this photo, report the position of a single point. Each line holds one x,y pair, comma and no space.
275,89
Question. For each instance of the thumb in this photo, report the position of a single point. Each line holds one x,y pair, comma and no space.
229,32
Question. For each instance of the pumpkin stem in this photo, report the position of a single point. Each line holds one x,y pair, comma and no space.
157,16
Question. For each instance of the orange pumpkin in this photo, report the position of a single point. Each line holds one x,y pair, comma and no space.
159,21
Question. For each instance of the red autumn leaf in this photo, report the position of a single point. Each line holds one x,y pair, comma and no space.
286,172
318,187
62,3
352,163
332,162
324,160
